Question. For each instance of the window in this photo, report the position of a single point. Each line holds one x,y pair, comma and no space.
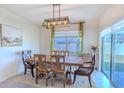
68,40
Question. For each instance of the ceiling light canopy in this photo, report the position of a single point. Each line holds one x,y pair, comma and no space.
56,22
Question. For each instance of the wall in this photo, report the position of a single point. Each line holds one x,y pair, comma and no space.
45,41
112,15
90,35
91,38
10,57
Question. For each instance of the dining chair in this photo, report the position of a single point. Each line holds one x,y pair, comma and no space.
64,53
42,67
27,65
54,52
58,67
85,71
87,59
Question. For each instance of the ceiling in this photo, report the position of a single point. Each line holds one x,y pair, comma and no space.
36,13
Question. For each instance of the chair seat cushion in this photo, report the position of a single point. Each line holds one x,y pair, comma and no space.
43,69
58,71
82,71
27,65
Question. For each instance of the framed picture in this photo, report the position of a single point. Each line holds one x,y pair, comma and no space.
10,36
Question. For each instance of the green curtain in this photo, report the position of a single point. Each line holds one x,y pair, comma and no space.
81,31
52,37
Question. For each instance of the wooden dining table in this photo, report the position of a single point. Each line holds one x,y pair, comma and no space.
69,61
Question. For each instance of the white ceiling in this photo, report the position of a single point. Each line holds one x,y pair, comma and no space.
36,13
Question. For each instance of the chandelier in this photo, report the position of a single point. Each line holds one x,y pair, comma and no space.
56,22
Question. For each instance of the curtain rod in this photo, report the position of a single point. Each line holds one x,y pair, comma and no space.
78,22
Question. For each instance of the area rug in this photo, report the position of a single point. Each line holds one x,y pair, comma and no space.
26,81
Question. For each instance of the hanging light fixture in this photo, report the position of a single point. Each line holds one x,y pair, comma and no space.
56,22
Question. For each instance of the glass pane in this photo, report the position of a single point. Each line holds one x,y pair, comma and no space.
73,48
62,46
106,53
59,43
72,44
118,58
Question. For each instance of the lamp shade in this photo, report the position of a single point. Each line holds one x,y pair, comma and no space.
49,23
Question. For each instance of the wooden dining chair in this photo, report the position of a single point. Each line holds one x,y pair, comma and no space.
27,65
64,53
54,52
85,71
87,59
58,67
42,67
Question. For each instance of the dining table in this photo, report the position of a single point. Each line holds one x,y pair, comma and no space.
69,62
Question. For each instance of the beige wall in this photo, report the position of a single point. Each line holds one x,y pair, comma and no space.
10,57
45,41
112,15
90,35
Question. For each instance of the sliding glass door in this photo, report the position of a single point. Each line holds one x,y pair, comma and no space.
118,56
106,53
113,54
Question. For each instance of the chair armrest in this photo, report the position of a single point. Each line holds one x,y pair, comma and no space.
85,67
87,62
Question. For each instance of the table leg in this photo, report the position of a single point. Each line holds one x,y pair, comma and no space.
70,73
69,79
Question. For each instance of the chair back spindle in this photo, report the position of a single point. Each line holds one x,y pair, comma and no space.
54,52
40,60
57,61
64,53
